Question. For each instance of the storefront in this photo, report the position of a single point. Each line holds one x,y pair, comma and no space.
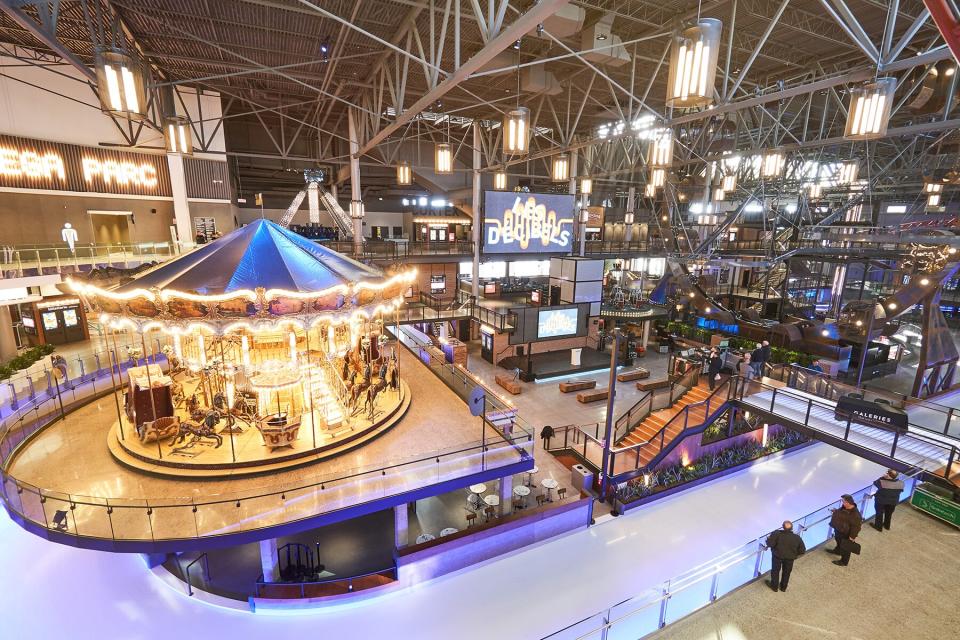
54,320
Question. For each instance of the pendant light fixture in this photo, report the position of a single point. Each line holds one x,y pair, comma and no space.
693,65
120,85
586,186
814,191
658,178
561,168
772,164
650,190
660,152
500,181
849,171
719,195
404,173
516,131
177,134
869,111
729,182
443,159
933,191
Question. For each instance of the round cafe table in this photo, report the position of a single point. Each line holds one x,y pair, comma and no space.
493,500
522,491
478,488
549,484
530,475
449,531
425,537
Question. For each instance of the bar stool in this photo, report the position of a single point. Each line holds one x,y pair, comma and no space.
561,492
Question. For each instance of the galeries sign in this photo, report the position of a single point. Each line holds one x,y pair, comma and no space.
37,164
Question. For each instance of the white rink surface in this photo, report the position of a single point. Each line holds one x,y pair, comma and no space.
58,591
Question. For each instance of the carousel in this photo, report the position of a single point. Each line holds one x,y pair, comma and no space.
276,350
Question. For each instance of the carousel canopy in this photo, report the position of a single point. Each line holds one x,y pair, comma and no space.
261,254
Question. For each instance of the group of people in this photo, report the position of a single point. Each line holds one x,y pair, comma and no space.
751,366
786,545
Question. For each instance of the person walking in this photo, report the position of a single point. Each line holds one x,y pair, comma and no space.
765,351
889,488
713,368
746,373
785,547
846,522
756,361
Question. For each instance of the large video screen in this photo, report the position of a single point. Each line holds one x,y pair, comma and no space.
527,222
554,323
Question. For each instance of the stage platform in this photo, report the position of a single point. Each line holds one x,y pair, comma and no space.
557,363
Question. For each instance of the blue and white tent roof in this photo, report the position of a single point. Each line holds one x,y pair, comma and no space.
261,254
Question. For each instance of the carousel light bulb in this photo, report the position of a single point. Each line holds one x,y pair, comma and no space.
245,350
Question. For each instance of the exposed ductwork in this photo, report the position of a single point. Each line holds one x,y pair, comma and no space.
601,34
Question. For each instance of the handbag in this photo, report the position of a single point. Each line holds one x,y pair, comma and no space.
847,545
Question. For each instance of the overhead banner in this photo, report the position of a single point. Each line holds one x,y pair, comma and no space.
38,164
527,222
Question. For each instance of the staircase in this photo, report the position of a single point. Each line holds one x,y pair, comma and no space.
771,281
657,420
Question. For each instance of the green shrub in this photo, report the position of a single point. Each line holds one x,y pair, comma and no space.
25,360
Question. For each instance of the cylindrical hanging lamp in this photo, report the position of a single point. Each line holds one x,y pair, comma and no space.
443,159
693,65
404,173
660,152
177,134
500,181
772,164
516,131
869,111
121,86
561,168
586,186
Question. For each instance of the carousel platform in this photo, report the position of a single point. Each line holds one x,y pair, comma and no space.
245,452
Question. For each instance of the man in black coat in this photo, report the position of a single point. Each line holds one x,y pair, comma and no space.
846,522
889,488
785,547
713,368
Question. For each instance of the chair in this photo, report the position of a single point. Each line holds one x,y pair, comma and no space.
541,499
561,492
517,502
471,518
490,512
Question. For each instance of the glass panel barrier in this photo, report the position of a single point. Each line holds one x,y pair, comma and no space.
637,617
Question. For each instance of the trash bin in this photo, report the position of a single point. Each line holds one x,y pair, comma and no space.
581,477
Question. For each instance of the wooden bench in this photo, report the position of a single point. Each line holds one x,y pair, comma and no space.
634,374
509,384
652,385
592,396
570,386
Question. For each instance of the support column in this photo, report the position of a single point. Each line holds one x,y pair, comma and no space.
181,207
506,496
646,334
401,526
628,216
8,340
477,218
574,156
582,223
269,561
356,202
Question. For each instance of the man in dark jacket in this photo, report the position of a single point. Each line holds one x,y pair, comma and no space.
756,361
846,522
889,488
713,368
785,547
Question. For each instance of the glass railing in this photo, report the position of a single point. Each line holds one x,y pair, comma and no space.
35,259
673,599
81,375
165,518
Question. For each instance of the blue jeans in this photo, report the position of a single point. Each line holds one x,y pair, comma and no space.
757,369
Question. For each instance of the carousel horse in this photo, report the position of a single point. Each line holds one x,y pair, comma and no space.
370,400
392,376
176,393
198,431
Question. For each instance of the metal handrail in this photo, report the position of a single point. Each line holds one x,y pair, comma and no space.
260,583
206,571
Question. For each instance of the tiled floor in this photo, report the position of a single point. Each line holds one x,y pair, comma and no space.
523,596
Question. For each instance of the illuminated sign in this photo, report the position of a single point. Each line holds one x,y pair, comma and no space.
553,323
15,163
36,164
527,222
